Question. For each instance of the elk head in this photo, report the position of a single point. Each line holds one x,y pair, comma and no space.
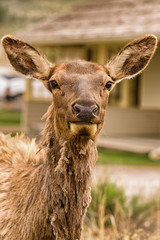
80,89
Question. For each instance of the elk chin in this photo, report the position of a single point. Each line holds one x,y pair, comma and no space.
83,129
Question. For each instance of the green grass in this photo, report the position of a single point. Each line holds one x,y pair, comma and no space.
126,158
10,117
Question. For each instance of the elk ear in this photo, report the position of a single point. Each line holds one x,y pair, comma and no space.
133,58
26,59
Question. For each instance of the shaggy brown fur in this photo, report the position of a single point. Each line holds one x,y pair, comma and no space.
45,188
54,188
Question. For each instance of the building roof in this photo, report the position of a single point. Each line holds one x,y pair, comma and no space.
98,21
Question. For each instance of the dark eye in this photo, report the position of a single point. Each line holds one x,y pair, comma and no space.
108,85
54,84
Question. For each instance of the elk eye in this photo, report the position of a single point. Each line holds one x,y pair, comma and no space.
54,84
108,85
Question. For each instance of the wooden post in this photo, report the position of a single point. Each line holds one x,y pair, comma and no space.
102,53
27,99
28,93
125,101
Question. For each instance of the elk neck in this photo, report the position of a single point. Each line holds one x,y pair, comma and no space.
71,164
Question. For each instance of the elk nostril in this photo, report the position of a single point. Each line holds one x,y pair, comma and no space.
76,108
95,110
85,113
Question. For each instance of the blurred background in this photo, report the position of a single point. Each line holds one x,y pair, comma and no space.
126,178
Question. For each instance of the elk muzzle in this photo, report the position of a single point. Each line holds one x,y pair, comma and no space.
84,113
85,116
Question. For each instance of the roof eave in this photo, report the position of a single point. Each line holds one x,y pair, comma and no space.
80,41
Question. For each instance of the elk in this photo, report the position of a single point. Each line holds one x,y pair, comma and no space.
45,188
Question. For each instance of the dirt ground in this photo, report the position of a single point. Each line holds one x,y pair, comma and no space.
134,180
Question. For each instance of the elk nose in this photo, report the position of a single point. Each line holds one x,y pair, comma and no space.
84,113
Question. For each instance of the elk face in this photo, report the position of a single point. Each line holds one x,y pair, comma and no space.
80,92
80,89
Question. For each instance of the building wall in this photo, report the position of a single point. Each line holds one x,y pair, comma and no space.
32,115
133,122
150,93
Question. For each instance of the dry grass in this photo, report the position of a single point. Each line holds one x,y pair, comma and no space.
120,218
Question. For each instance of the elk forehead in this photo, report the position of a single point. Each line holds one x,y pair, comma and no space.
80,67
80,75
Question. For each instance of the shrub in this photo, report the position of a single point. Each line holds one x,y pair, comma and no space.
3,13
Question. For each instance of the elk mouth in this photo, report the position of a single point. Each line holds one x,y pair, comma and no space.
83,128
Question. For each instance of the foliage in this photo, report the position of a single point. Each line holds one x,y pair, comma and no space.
3,13
21,14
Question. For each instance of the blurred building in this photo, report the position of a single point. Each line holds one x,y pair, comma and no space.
95,31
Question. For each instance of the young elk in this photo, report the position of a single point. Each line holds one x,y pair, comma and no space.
45,189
